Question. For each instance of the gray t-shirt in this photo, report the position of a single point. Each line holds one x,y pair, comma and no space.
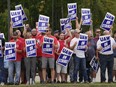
114,52
91,50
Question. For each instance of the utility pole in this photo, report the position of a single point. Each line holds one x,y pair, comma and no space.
8,5
53,14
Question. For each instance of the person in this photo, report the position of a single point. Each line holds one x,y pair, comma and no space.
90,53
20,37
79,59
48,58
15,64
30,64
61,70
56,34
97,34
39,56
106,59
3,71
114,67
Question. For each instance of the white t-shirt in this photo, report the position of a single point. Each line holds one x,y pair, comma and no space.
113,43
79,53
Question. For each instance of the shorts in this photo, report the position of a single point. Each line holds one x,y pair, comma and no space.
114,67
61,69
50,61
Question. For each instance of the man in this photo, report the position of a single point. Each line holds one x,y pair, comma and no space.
114,67
97,34
48,57
61,70
56,34
23,79
3,77
79,59
90,53
106,58
16,64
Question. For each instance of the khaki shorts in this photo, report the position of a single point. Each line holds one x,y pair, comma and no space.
61,69
114,67
49,61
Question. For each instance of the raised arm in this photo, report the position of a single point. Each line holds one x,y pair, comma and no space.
11,29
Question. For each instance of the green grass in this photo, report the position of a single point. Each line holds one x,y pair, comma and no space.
70,85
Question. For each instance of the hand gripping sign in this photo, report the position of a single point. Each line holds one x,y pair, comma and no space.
19,7
65,23
94,64
43,23
10,53
64,57
47,47
2,35
16,17
30,47
1,54
105,43
108,21
72,10
82,43
86,16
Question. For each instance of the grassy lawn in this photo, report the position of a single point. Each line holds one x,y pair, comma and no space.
69,85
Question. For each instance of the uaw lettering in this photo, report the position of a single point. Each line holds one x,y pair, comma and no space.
82,45
47,48
83,36
64,57
10,53
108,21
65,23
104,38
2,35
16,17
30,47
48,40
106,46
72,10
1,54
86,16
43,23
19,7
94,64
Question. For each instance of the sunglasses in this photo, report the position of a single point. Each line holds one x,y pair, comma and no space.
98,32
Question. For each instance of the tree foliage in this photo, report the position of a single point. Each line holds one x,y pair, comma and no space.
57,9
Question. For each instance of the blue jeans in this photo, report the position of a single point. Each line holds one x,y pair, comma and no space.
80,64
106,61
17,66
3,71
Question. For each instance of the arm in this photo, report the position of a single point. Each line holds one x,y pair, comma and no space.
78,25
11,29
70,36
24,31
73,46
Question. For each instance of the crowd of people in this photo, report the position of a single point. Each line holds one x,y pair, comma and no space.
25,68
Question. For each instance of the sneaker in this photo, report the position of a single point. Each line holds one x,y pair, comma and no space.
10,83
33,83
17,83
58,81
2,83
28,83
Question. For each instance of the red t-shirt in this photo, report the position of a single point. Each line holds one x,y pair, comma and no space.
61,45
23,44
39,49
53,52
19,46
